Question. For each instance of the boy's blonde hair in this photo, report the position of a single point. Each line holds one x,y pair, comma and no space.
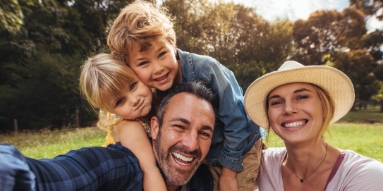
139,22
104,74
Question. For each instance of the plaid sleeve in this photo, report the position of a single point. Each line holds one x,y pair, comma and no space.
93,168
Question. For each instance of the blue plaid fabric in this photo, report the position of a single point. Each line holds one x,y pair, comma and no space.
93,168
114,168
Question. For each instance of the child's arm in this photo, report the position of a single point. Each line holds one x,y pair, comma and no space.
132,135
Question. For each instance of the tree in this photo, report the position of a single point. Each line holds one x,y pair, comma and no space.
358,65
233,34
327,32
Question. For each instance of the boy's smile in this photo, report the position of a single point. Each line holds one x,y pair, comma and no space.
157,66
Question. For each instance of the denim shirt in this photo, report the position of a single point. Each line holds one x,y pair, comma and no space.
234,133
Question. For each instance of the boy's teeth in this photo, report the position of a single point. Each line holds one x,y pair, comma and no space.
181,157
162,78
295,124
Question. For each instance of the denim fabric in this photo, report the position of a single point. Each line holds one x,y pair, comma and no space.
114,168
234,134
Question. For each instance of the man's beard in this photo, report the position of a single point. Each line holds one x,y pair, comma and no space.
175,176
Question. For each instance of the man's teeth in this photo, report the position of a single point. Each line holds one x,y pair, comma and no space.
181,157
295,124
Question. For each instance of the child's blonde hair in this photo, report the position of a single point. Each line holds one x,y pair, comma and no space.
103,75
139,22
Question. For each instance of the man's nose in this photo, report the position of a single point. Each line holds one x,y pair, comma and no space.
190,141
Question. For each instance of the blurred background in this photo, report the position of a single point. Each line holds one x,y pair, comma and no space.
43,43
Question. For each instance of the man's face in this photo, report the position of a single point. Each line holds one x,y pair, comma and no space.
183,140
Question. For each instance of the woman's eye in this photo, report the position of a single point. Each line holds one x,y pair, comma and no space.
302,97
119,101
133,85
275,103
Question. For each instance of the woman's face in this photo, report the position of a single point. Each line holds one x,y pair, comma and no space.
295,112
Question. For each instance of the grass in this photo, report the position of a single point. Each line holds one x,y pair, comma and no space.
350,133
365,139
47,144
363,116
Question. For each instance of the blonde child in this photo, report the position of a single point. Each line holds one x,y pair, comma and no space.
144,38
123,101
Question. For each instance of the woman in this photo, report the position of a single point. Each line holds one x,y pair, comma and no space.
298,103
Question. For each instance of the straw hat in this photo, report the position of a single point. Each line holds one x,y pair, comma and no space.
335,82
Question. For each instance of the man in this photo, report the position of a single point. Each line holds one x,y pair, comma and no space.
181,137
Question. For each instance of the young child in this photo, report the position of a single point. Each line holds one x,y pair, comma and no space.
144,38
123,100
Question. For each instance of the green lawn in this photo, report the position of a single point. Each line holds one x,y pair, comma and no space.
48,144
365,139
363,116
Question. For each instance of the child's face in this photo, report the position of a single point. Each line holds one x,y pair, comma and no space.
157,66
135,101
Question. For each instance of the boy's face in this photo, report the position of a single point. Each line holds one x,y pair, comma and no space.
157,66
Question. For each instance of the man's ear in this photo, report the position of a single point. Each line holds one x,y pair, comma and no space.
154,127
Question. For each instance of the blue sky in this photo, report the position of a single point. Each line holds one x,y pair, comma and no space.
299,9
292,9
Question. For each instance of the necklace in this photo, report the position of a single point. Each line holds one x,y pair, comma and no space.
305,178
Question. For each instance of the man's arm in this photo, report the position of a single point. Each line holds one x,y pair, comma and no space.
94,168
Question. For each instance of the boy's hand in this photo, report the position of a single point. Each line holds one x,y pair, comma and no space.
228,180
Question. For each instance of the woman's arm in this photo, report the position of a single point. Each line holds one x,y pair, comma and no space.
132,135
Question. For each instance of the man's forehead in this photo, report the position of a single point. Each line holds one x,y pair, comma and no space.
183,103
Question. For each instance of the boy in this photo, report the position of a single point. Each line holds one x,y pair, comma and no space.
143,36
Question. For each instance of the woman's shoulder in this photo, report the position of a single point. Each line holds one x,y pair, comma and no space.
274,154
357,172
360,163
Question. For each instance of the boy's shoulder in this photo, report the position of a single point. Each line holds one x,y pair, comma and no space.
196,59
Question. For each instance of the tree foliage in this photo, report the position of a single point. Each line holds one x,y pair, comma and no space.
233,34
43,44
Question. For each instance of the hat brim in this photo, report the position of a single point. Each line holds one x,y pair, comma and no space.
336,83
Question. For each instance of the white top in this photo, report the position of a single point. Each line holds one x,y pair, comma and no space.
356,172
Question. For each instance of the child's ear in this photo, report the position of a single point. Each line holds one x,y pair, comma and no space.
154,127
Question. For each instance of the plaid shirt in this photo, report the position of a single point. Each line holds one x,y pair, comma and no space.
95,168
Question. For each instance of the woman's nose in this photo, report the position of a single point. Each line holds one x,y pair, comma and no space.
290,108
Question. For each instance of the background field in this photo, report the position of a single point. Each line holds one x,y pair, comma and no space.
359,136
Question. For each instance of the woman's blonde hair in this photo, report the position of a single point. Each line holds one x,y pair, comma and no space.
328,108
139,22
103,75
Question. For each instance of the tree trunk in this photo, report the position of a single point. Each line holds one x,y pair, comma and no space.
15,126
76,118
381,105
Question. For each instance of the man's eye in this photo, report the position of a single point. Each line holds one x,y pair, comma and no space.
119,101
205,135
179,127
133,85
